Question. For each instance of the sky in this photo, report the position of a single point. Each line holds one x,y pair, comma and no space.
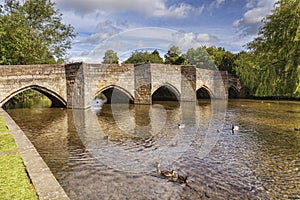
126,26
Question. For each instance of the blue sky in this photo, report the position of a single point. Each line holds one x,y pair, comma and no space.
125,26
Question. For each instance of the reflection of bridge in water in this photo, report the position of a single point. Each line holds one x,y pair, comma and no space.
149,133
75,85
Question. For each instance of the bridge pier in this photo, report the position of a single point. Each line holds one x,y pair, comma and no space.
142,84
75,85
188,83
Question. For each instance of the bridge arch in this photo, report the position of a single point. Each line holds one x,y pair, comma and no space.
204,92
56,99
120,95
233,92
165,92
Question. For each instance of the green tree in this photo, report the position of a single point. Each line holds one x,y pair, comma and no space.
144,56
155,57
274,56
33,33
248,70
200,58
174,56
224,60
138,57
110,57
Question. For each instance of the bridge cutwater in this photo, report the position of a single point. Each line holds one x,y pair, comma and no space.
76,85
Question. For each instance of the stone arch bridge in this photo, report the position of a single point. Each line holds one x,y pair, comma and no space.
76,85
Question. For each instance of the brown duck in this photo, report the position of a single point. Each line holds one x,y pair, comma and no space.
165,173
172,175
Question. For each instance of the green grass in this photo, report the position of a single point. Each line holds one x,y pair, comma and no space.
7,143
3,127
14,182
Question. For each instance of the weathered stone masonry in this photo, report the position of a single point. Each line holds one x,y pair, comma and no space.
75,85
47,79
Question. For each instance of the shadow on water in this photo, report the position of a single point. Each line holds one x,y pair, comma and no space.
111,156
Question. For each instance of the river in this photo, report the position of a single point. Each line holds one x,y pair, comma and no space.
112,155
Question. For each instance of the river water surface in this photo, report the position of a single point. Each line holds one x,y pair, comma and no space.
112,155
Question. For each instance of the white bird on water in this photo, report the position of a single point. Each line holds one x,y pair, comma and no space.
234,128
181,126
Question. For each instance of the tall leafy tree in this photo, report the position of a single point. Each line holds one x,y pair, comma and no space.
144,56
174,56
155,57
110,57
274,56
32,32
224,60
248,70
200,58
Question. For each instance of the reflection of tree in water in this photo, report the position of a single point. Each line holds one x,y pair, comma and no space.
28,99
120,145
144,131
40,119
47,129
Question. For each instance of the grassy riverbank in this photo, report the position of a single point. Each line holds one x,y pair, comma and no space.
14,182
3,127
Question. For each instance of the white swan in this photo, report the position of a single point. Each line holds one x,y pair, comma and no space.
234,128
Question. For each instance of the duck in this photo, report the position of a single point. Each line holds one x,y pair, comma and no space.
182,179
165,173
105,137
234,128
168,174
172,175
181,126
174,144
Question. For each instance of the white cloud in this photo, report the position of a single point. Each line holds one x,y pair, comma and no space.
250,3
250,22
149,38
181,11
187,40
128,41
215,4
155,8
83,24
105,30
